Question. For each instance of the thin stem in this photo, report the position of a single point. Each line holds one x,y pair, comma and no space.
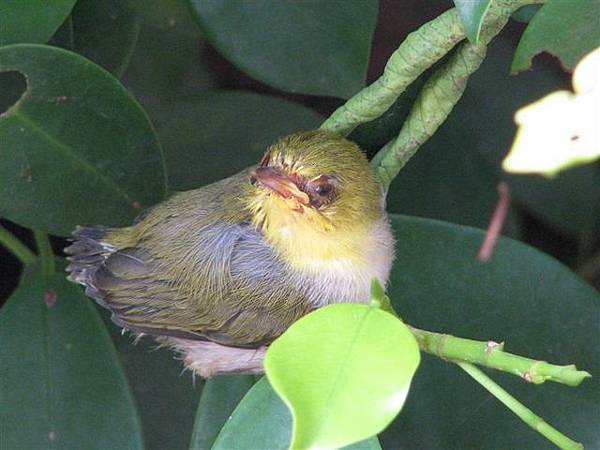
491,354
45,252
524,413
16,247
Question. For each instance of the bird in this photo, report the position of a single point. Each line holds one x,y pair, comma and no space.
219,272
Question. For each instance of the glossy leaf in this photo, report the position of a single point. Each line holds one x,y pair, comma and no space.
31,21
104,32
262,420
173,15
61,384
166,65
344,371
220,396
525,13
308,47
68,158
204,141
166,396
472,13
537,306
566,29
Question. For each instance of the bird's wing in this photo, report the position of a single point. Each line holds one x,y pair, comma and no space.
193,278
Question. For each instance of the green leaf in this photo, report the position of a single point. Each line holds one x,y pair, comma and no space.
566,29
472,13
344,371
166,397
262,420
203,139
61,384
31,21
525,13
164,66
309,47
537,306
173,15
104,32
219,398
77,148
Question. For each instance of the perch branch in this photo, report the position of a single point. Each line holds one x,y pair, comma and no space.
491,354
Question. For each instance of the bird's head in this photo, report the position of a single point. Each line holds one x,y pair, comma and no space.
315,179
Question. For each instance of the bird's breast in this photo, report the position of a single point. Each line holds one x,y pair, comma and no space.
337,267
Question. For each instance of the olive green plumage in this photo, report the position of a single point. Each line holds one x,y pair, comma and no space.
220,263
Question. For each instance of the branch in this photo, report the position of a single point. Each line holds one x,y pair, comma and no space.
16,247
524,413
491,354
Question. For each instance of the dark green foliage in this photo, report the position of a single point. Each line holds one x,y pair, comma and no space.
77,148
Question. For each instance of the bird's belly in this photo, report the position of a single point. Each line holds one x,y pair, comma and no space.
345,279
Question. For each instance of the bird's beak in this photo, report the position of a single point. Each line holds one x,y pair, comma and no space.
277,182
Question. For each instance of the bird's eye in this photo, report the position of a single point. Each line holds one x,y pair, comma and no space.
324,189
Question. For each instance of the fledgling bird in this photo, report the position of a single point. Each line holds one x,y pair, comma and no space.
219,272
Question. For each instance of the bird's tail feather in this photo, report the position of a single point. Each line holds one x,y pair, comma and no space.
86,254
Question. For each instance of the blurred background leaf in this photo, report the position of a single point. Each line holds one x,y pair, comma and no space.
566,29
31,21
174,72
104,32
61,384
220,396
522,296
172,15
166,395
525,13
105,166
309,47
203,141
165,65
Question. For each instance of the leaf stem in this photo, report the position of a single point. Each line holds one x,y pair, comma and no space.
16,247
45,252
491,354
524,413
